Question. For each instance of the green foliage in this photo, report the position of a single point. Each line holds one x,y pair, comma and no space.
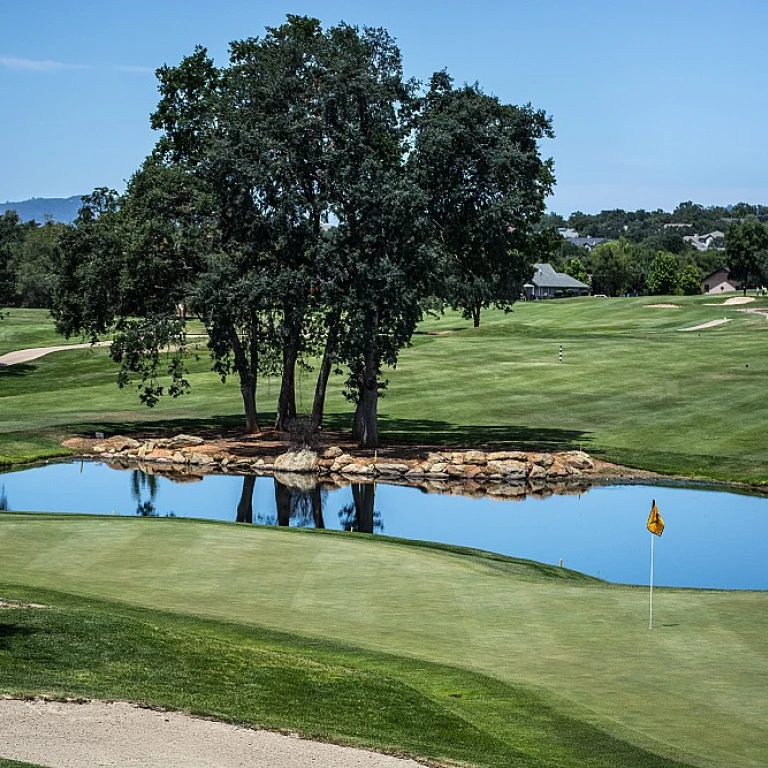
478,162
663,277
614,270
747,251
229,219
576,269
690,280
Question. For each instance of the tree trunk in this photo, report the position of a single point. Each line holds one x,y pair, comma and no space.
366,428
318,404
248,391
286,404
245,505
476,316
247,374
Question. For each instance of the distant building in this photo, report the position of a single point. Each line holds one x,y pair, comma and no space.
719,281
548,284
705,242
587,242
573,237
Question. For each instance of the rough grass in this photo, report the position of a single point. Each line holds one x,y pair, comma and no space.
578,649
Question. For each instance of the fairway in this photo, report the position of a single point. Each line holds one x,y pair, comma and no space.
695,688
631,389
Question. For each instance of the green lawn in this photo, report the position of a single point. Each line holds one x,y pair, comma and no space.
632,388
432,651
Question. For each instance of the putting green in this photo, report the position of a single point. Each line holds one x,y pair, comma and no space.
697,684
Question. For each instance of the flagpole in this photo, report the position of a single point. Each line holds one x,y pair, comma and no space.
650,598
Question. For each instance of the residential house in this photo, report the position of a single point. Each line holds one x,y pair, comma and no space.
719,281
705,242
548,284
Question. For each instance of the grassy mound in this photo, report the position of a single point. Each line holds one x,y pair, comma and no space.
441,653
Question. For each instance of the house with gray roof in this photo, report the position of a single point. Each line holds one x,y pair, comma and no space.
548,284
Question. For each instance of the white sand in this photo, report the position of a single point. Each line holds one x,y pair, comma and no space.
710,324
99,734
662,306
732,300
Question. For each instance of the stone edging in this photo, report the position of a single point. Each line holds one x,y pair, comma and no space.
190,454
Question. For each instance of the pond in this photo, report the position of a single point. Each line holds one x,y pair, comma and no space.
713,539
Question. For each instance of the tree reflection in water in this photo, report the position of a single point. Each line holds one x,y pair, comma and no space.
140,482
360,516
299,503
245,505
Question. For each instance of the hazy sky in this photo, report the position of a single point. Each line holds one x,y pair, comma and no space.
653,101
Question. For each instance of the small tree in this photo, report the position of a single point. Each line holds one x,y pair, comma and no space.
690,280
576,269
612,268
663,277
745,250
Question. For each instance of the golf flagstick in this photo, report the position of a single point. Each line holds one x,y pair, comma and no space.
655,525
650,595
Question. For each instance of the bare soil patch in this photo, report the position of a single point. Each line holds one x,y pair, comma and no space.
95,734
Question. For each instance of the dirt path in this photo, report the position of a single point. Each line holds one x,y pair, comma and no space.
27,355
99,734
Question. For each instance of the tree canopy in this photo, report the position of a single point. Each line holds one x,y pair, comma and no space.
305,202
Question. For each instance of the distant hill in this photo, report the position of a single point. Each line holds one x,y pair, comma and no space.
63,209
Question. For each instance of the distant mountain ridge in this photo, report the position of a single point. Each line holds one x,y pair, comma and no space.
63,209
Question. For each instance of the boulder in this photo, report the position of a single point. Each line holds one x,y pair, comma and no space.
507,456
475,457
358,469
333,452
578,459
509,468
385,468
438,467
537,472
545,459
183,441
179,458
297,461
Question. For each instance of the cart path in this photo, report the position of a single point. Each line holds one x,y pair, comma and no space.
27,355
96,734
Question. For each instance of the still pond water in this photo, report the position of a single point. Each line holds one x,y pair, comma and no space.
713,539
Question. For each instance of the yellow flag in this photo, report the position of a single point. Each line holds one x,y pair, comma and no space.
655,523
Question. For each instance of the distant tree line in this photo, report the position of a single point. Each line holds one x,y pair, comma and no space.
646,251
27,256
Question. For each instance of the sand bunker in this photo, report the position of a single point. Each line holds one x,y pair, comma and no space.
731,301
662,306
710,324
96,734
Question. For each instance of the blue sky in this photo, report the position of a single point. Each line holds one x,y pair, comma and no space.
652,102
